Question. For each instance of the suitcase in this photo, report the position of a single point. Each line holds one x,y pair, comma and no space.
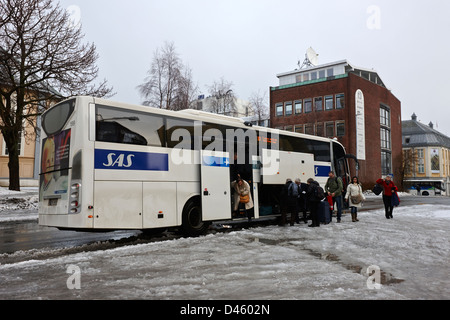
324,212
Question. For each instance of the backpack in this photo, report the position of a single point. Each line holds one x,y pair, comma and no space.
319,193
293,190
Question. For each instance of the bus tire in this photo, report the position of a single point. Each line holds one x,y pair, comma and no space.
192,223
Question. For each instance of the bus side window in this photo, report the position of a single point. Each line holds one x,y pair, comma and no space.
122,126
180,133
114,132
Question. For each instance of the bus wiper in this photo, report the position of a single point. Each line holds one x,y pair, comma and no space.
121,118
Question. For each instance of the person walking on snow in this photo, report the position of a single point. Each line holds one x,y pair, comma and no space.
333,188
355,197
389,189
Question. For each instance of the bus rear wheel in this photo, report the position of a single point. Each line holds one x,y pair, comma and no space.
192,224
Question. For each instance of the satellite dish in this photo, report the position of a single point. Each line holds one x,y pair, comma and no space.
311,59
312,56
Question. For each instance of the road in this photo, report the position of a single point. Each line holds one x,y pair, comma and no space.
28,235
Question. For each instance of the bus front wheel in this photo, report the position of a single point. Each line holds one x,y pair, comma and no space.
192,224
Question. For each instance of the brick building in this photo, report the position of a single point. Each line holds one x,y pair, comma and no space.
351,104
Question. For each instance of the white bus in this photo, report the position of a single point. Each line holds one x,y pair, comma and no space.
108,166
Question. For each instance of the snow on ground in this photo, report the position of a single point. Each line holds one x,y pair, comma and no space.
18,205
330,262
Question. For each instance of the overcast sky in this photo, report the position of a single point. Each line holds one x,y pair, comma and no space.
249,42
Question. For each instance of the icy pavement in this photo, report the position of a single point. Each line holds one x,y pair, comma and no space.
411,253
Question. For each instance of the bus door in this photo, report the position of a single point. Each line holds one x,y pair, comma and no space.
215,185
256,164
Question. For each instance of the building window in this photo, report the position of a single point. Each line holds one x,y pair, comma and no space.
319,129
299,128
279,109
330,72
309,129
318,103
314,75
288,128
20,145
329,103
340,128
420,161
329,129
340,101
298,106
321,74
386,163
385,137
308,105
305,77
288,108
385,119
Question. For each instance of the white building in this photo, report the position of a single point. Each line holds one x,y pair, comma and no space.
227,105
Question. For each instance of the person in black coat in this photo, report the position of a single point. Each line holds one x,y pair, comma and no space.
293,202
313,203
284,201
302,202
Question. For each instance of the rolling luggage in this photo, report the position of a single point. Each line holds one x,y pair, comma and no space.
324,212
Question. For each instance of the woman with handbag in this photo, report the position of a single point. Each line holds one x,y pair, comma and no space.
355,197
242,196
389,191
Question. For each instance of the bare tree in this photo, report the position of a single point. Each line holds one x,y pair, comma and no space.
410,161
42,59
169,83
258,103
224,102
186,91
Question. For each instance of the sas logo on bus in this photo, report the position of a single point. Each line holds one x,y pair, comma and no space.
321,171
118,161
125,160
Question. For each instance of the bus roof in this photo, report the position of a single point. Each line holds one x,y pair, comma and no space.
193,114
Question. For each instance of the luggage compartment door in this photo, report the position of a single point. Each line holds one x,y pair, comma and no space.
215,185
117,205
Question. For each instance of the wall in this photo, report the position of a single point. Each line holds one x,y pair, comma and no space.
374,96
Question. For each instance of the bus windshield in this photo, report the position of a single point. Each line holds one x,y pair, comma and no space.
54,119
55,154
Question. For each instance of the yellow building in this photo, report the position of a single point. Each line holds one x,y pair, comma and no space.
28,157
426,159
27,165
